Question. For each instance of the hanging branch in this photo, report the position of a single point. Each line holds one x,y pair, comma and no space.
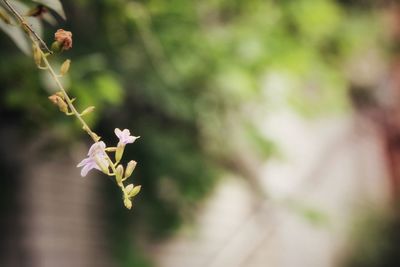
97,157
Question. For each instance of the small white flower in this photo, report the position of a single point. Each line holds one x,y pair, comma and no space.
125,136
97,159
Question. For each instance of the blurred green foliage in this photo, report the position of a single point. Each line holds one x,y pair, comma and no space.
180,74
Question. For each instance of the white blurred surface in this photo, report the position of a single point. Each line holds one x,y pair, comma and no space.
330,170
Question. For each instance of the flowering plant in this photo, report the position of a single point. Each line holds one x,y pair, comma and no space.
98,155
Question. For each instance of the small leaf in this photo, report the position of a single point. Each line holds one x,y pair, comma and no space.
54,5
17,35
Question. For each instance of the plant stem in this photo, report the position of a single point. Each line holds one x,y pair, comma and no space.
39,43
86,127
68,99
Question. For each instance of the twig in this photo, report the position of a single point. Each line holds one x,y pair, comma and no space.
39,55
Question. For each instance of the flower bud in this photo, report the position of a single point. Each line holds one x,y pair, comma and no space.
128,189
65,67
37,55
60,94
134,191
118,174
130,168
128,203
56,47
119,152
58,101
88,110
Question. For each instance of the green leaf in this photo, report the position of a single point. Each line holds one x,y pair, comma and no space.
16,34
54,5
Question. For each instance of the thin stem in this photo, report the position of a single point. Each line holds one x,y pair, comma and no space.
38,43
93,135
86,127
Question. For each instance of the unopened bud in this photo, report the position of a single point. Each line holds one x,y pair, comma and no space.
60,94
118,174
128,189
130,168
65,67
128,203
88,110
134,191
56,47
58,101
37,55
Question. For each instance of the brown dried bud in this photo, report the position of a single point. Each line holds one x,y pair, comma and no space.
64,38
58,101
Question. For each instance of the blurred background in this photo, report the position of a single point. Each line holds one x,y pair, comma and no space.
270,136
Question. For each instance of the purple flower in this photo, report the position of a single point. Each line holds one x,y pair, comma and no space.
125,136
97,159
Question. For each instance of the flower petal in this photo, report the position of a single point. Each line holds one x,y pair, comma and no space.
83,162
130,139
96,148
117,132
126,133
86,169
